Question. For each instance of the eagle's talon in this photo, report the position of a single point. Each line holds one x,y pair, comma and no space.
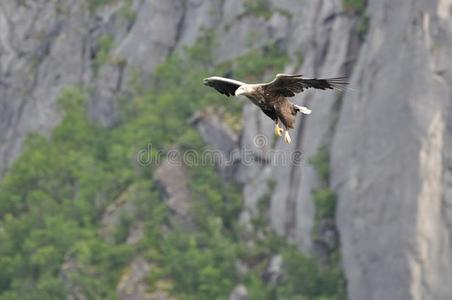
273,97
278,130
287,138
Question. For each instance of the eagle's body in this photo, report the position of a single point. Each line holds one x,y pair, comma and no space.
272,97
274,106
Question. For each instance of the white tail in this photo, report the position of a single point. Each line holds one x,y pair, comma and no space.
303,109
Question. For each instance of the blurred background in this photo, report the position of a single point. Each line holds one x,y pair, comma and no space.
102,100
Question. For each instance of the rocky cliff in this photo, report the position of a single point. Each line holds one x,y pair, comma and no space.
389,136
390,156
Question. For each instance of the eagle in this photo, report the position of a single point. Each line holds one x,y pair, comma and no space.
272,97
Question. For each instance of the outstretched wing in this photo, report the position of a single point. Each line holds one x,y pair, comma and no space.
289,85
223,85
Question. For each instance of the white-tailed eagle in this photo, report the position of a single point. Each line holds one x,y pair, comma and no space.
272,97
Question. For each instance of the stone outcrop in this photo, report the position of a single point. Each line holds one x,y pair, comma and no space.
389,136
122,207
222,141
171,179
391,156
69,271
239,293
133,284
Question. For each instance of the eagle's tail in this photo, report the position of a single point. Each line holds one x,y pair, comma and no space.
302,109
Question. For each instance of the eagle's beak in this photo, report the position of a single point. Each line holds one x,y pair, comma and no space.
206,81
239,92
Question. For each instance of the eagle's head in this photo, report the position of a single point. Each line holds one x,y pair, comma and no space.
244,90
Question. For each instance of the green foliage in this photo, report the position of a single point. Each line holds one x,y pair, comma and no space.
302,276
200,263
123,229
93,5
330,277
51,201
127,11
363,26
105,44
214,197
324,197
321,164
254,64
305,279
355,6
53,198
325,202
260,8
358,8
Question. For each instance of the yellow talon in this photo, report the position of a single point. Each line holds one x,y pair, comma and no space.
278,130
287,138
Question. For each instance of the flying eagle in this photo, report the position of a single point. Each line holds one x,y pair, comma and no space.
272,97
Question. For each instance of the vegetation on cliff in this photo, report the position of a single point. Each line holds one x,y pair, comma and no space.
53,199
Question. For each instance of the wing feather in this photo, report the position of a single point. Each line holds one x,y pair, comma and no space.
289,85
223,85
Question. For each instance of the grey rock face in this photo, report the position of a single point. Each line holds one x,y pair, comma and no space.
324,37
219,137
69,270
154,34
70,41
274,269
35,39
171,178
133,283
391,156
239,293
122,207
46,46
390,138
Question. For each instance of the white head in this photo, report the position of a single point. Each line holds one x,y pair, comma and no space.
244,90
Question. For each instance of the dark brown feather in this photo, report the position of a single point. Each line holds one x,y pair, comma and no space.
289,85
223,85
286,112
